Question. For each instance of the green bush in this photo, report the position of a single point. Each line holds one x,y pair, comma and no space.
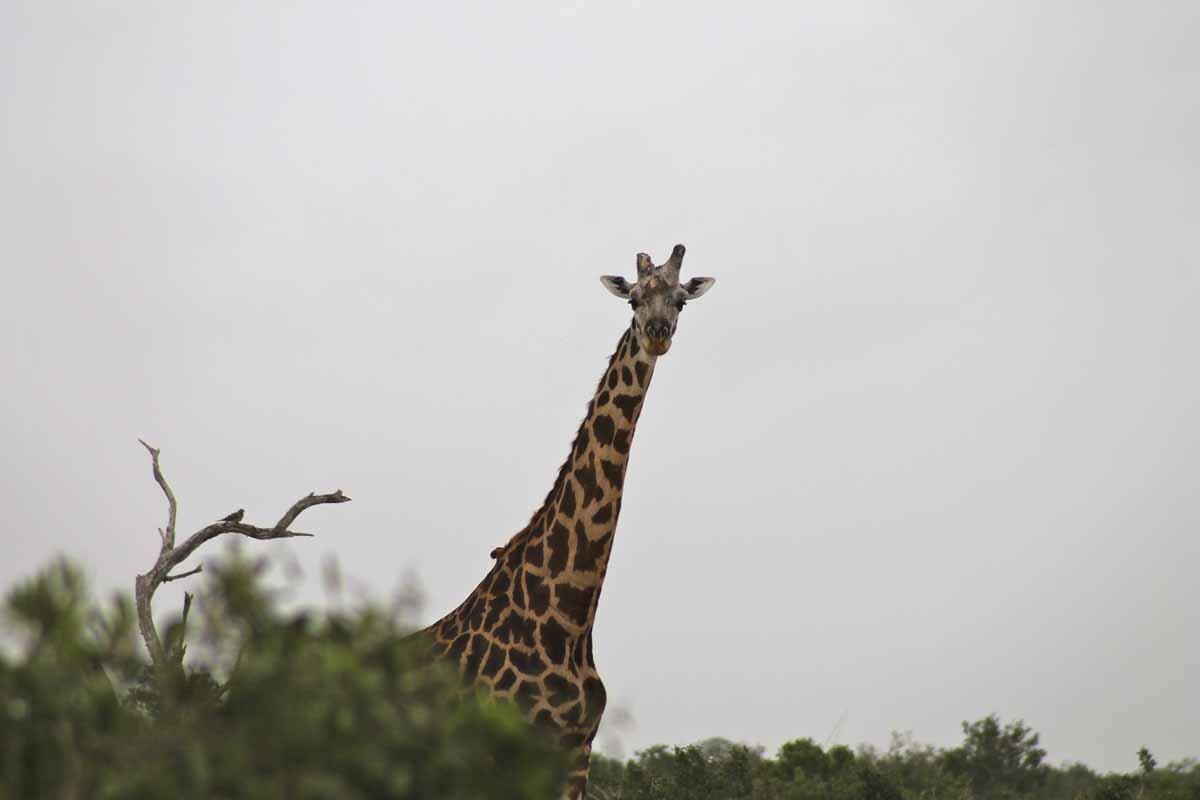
318,706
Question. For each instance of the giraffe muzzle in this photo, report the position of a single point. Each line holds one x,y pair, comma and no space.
658,337
659,331
656,347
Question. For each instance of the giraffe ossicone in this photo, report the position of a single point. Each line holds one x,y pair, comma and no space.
525,632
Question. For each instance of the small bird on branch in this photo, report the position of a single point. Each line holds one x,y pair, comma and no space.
235,516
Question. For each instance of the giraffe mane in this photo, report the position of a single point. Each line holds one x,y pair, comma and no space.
566,465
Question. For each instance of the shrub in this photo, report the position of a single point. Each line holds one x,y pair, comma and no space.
317,706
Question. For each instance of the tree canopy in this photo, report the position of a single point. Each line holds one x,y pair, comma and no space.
995,760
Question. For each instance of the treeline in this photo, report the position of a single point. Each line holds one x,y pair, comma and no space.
994,762
272,704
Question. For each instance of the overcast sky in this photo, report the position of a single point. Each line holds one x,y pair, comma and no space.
928,450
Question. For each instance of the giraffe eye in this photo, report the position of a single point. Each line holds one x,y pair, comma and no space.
679,304
633,301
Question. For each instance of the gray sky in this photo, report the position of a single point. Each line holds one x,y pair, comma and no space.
928,450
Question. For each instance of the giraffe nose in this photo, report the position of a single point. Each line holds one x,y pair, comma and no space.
658,329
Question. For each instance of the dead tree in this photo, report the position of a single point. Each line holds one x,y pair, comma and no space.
170,556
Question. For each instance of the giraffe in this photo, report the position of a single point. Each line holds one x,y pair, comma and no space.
525,633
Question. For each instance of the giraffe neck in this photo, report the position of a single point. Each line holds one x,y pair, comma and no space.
563,553
525,632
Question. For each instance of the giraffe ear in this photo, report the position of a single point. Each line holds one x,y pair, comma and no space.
697,286
617,285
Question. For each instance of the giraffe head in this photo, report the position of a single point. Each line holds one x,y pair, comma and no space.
657,298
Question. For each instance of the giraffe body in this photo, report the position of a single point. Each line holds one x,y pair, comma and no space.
525,632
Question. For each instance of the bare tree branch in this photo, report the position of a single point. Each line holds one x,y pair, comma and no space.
182,575
170,556
307,502
167,536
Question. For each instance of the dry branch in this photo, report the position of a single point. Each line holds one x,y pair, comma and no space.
199,568
170,556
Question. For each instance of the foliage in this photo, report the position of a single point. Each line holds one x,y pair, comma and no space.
917,770
1001,760
317,707
998,761
302,705
719,770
